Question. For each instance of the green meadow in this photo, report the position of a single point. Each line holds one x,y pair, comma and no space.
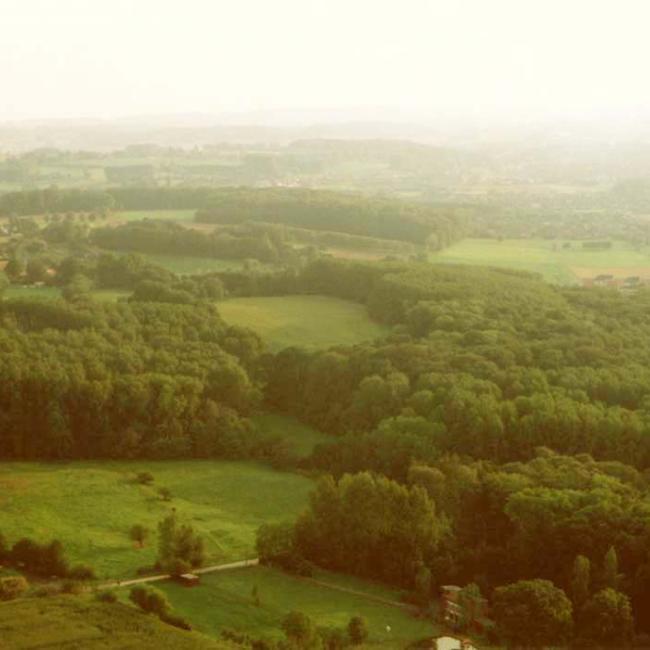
307,321
80,623
224,600
549,258
90,506
300,437
167,215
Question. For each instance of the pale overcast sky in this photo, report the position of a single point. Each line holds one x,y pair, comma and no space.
107,58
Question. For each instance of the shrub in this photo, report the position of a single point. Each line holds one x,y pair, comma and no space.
107,596
144,478
72,587
151,600
12,586
357,630
176,621
82,572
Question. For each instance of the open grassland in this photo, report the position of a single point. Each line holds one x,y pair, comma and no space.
139,215
188,265
225,599
75,623
555,263
307,321
300,438
49,293
90,506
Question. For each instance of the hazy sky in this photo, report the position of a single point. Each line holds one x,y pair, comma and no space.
105,58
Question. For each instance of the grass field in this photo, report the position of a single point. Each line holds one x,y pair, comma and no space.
90,506
75,623
555,263
225,600
45,293
186,265
167,215
300,437
307,321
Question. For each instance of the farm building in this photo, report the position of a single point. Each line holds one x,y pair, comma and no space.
189,579
452,643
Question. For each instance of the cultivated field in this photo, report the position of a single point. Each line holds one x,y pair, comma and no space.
307,321
549,258
75,623
90,506
187,265
225,599
139,215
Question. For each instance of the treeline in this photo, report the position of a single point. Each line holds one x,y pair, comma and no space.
265,244
123,381
327,210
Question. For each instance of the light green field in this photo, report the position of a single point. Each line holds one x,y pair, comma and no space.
544,256
41,293
45,293
187,265
167,215
76,623
307,321
301,438
90,506
225,600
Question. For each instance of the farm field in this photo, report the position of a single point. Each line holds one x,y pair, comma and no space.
72,623
90,506
549,258
307,321
224,599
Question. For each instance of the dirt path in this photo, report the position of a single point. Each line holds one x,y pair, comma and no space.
208,569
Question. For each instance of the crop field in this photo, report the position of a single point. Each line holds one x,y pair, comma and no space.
72,623
48,293
555,263
224,599
90,506
307,321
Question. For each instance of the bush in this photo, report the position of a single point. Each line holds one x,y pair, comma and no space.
150,599
12,586
144,478
176,621
107,596
357,630
82,572
72,587
47,591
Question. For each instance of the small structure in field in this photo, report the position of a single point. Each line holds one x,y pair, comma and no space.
189,579
452,643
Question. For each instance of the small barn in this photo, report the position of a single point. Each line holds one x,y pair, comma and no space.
189,579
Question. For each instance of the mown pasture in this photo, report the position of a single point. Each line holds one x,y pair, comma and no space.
558,261
305,321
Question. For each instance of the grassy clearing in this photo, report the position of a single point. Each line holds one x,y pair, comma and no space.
549,258
186,265
225,600
301,438
38,293
307,321
71,623
167,215
90,506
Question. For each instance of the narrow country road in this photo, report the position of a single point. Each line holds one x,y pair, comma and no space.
208,569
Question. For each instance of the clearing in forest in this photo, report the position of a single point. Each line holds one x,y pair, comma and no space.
305,321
